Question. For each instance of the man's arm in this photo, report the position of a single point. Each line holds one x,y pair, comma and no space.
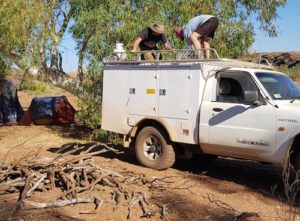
136,44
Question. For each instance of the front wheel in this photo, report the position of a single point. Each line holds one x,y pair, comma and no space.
152,149
297,161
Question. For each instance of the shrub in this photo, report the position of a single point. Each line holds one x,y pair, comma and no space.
28,83
3,69
293,72
291,184
90,96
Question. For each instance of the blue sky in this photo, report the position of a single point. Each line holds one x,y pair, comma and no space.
288,27
69,53
288,38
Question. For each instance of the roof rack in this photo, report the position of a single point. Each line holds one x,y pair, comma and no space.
160,55
241,64
179,56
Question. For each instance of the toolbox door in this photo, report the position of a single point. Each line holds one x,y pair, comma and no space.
142,91
174,92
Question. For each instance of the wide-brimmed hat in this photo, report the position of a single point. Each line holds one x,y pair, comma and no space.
157,27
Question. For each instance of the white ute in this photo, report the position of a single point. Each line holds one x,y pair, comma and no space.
216,107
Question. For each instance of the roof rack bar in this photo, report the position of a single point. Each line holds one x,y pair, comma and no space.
187,54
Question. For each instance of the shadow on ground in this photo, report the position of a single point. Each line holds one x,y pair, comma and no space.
73,131
262,178
179,207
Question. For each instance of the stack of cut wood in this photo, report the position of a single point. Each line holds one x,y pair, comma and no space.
74,173
289,59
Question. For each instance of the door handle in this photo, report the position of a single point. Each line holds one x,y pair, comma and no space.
216,109
162,92
131,90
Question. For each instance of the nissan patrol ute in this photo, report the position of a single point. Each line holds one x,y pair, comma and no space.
215,107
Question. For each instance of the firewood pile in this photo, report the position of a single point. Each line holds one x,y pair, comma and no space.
74,173
289,59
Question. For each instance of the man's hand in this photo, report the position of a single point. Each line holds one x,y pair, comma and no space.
167,46
133,50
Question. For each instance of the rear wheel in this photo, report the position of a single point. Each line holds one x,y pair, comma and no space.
152,149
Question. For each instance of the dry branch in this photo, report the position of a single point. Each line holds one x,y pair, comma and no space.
36,184
62,203
139,198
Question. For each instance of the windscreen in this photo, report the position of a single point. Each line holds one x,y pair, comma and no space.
279,86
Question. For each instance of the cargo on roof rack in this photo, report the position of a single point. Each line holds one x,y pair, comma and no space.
178,56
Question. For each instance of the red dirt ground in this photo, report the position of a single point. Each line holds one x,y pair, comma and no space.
220,191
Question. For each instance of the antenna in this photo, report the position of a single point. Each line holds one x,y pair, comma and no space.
259,56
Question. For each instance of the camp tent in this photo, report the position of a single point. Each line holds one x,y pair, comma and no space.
49,110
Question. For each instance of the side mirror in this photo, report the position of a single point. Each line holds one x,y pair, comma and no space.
251,97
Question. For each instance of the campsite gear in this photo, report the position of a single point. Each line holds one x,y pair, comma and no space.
157,27
49,110
42,110
10,108
119,52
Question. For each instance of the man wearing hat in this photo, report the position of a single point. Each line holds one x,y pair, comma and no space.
200,27
148,39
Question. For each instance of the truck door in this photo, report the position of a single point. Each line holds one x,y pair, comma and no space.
174,91
236,128
142,91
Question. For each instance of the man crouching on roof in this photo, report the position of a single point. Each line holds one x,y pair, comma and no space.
200,27
148,39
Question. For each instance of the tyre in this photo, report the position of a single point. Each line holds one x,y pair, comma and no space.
152,149
297,161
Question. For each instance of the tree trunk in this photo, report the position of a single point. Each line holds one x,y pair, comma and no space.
56,73
54,59
60,63
81,55
43,69
80,69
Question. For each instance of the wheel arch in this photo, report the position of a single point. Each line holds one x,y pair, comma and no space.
157,123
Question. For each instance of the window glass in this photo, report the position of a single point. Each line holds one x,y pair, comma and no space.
279,86
231,86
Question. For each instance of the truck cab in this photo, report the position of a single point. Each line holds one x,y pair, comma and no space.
249,114
216,107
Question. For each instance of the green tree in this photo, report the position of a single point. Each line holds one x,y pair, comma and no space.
94,28
99,24
18,29
57,15
31,31
61,14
